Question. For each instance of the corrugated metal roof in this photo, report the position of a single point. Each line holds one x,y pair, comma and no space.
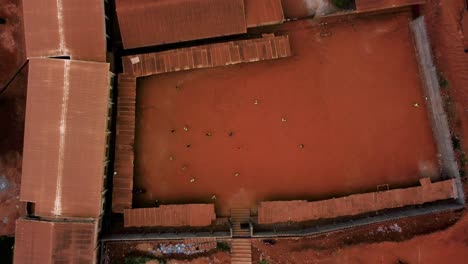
263,12
65,137
367,5
171,216
39,242
65,28
465,27
213,55
298,211
125,138
148,22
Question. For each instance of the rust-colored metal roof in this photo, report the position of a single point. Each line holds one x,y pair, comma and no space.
148,22
368,5
263,12
465,27
125,138
39,242
65,28
299,211
219,54
65,137
171,216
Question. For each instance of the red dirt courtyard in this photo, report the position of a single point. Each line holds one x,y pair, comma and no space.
336,118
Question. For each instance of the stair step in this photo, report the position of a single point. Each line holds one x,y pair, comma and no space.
244,254
240,229
240,209
241,245
246,257
244,260
241,251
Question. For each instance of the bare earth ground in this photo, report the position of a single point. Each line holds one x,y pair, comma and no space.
11,40
444,24
347,95
446,246
360,245
118,252
12,110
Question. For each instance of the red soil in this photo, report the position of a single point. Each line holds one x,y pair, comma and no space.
449,246
11,40
117,252
347,95
12,109
444,19
296,8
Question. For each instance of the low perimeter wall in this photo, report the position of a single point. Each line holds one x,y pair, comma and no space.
300,211
195,215
268,47
437,116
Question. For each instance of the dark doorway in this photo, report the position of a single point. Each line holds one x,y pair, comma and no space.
245,225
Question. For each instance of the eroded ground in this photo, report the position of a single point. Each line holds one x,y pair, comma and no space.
12,109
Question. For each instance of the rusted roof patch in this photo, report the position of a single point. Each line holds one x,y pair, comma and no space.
56,28
65,137
147,22
39,242
171,216
298,211
213,55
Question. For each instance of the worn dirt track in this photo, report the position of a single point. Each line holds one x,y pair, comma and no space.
349,121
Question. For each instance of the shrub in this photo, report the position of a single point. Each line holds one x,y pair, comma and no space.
136,260
443,83
263,261
223,246
343,4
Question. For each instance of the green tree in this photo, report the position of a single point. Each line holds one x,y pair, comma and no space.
343,4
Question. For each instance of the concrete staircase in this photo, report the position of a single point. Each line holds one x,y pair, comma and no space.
240,219
241,251
202,243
